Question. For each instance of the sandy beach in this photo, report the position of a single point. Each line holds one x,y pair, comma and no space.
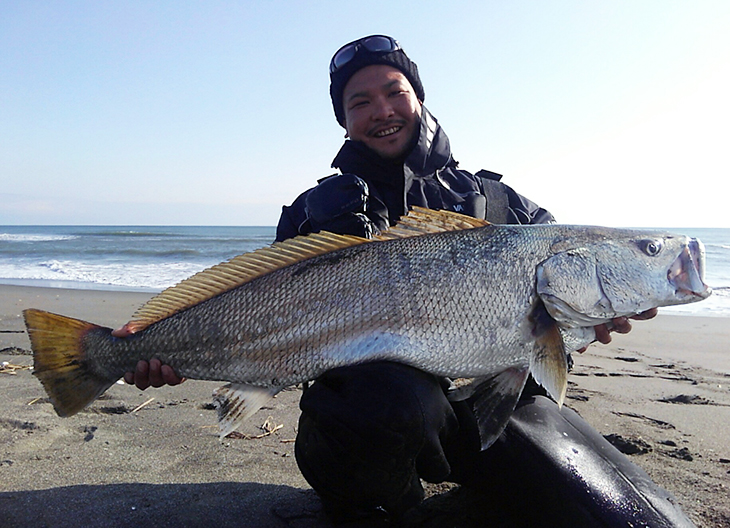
153,458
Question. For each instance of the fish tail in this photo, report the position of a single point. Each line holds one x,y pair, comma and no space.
59,360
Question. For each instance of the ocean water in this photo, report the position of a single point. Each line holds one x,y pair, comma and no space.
151,258
134,258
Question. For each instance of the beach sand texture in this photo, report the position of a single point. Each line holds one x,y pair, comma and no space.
153,458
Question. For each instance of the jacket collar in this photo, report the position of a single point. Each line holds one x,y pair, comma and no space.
432,151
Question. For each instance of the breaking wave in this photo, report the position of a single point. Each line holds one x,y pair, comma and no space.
15,237
152,276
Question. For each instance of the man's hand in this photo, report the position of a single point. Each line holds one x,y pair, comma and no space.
339,204
621,325
335,196
153,374
146,374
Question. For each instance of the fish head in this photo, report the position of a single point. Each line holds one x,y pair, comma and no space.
620,274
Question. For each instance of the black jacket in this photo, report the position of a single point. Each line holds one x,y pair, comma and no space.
428,177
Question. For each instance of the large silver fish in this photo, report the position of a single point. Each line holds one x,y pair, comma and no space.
448,294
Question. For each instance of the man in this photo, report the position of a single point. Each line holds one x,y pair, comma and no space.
398,156
368,434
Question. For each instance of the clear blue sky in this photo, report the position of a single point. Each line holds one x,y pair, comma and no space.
217,113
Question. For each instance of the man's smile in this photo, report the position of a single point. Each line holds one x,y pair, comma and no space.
387,131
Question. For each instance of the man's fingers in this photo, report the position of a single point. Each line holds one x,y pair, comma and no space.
122,331
142,375
602,334
153,374
156,373
621,325
169,376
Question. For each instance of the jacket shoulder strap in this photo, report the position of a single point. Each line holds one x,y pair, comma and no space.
497,198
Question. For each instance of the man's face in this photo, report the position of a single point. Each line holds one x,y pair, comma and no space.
381,110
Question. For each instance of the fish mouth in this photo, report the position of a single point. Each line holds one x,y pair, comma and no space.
687,272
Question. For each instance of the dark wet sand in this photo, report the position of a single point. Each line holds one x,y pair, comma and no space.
123,463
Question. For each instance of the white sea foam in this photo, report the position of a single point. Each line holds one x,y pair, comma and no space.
157,276
14,237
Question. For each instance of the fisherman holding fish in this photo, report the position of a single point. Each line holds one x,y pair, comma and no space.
369,433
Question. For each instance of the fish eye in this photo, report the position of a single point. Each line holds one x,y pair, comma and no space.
651,247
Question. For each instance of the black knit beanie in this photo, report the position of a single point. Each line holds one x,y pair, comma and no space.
397,59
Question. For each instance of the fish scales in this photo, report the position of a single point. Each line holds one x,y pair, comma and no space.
496,303
295,323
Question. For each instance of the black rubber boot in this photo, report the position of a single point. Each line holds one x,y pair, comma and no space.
551,468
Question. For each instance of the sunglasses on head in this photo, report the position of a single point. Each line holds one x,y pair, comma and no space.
373,44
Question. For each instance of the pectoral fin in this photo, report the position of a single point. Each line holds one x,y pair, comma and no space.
236,403
494,400
549,363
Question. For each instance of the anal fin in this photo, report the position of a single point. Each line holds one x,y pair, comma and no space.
236,403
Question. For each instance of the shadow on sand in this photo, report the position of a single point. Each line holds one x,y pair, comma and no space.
220,504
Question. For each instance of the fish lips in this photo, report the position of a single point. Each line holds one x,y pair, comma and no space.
687,272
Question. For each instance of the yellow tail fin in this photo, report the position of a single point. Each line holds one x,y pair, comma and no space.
59,362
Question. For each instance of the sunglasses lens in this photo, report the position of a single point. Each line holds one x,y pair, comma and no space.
378,43
342,57
374,44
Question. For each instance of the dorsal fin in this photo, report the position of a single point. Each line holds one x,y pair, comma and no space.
421,221
244,268
234,272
